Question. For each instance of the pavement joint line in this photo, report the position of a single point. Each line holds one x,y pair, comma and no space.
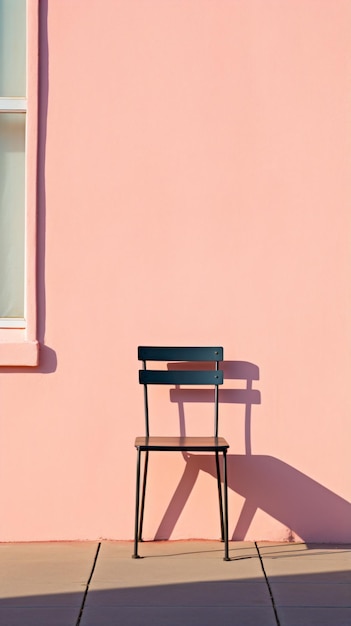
268,585
87,585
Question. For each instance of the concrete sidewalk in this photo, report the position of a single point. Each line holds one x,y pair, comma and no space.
182,583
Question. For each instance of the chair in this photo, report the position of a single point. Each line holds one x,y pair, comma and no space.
147,444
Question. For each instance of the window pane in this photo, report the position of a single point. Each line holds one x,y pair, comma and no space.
12,48
12,216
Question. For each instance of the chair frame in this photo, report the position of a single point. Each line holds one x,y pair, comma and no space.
147,444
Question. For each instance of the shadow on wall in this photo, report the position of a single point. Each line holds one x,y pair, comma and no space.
46,358
308,510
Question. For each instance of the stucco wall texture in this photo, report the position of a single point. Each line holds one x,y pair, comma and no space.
194,189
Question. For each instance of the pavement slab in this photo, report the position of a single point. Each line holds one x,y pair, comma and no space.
176,582
179,616
44,583
314,616
310,584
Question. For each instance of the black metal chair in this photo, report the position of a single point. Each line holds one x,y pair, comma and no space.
148,443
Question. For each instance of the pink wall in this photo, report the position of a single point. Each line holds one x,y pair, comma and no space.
194,168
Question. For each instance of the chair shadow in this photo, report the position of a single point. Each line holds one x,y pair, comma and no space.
307,509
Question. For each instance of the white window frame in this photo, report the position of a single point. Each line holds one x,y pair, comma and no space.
18,337
13,105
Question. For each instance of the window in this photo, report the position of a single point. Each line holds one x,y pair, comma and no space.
13,107
18,125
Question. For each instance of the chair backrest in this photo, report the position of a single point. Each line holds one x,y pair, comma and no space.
180,376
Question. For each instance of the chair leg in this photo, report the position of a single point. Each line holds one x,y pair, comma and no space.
137,498
226,546
220,496
146,465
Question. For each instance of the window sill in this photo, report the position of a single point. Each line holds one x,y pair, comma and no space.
19,353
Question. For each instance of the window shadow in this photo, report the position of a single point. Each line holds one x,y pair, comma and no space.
43,96
47,356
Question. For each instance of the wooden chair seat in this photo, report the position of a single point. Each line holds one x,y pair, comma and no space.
190,444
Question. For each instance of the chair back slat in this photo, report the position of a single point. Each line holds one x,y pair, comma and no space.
181,377
152,353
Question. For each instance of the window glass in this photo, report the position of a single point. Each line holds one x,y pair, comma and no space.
12,202
12,48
